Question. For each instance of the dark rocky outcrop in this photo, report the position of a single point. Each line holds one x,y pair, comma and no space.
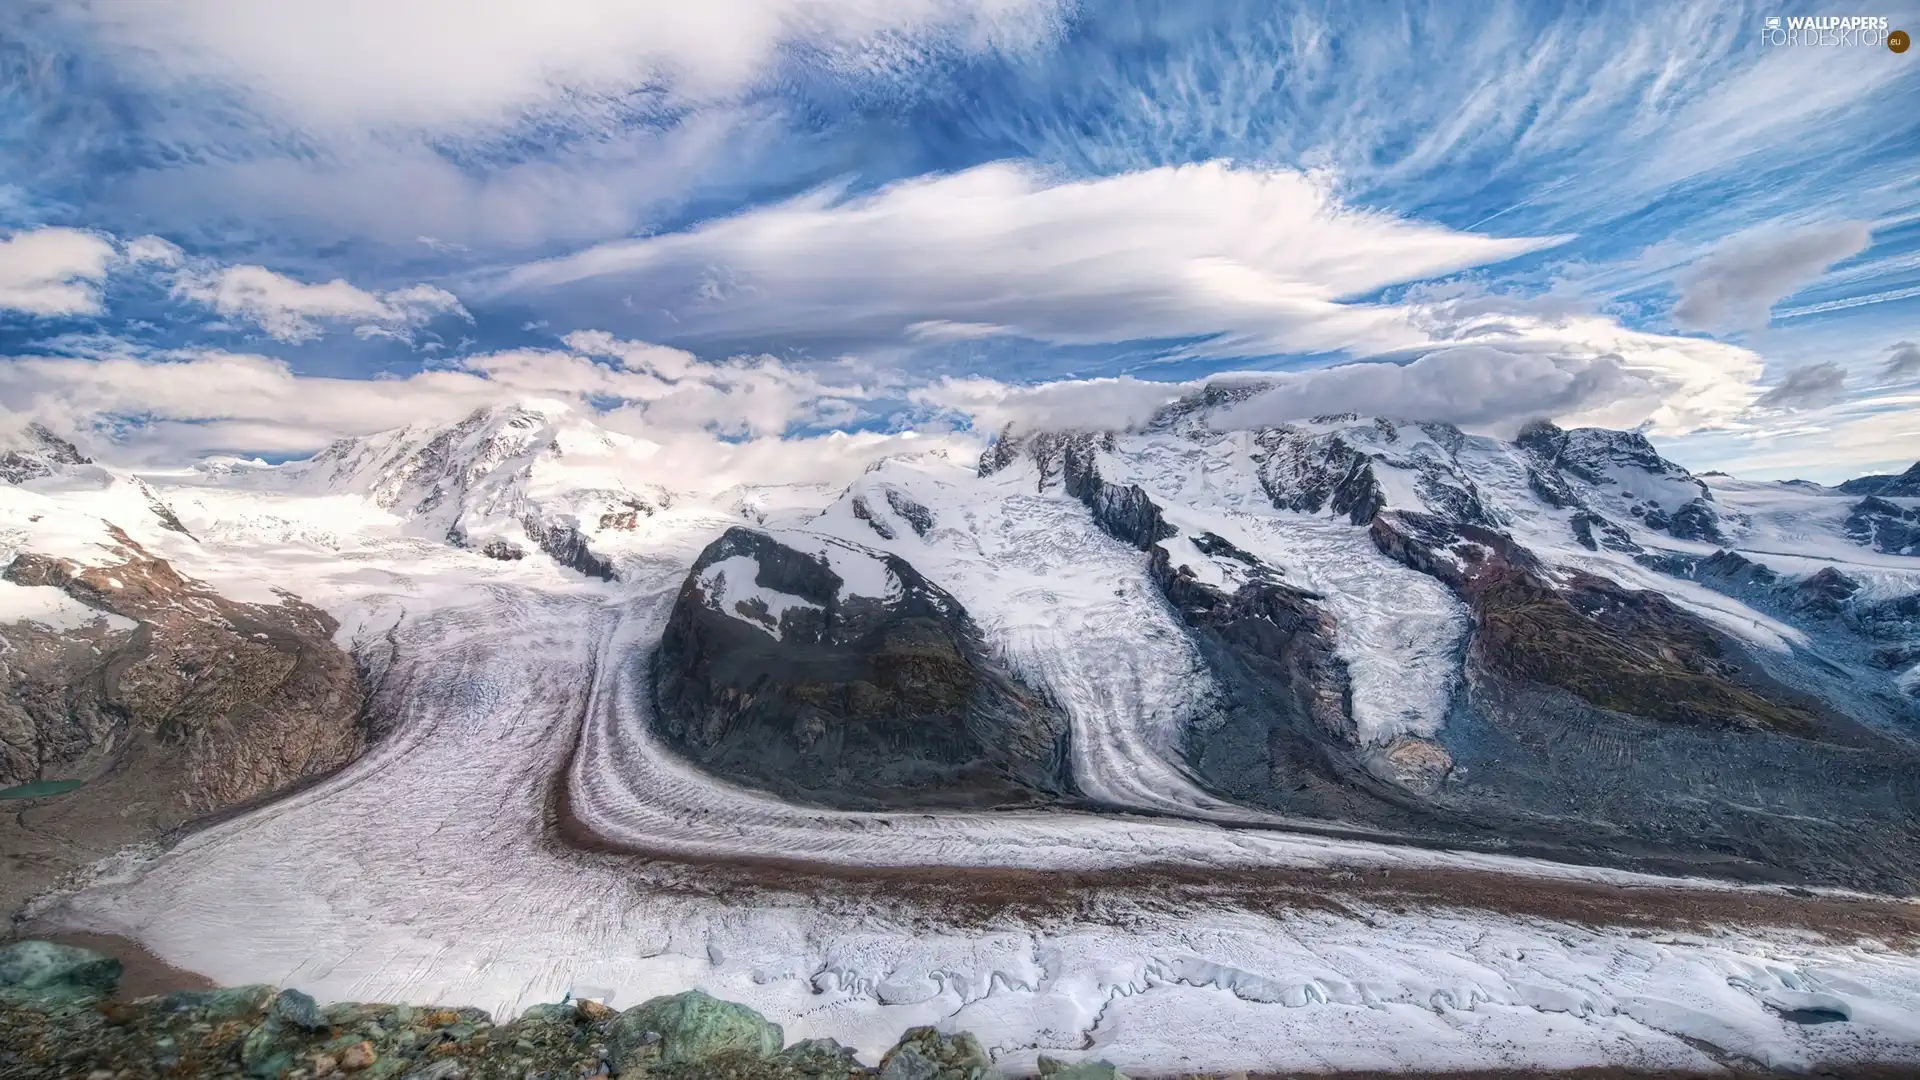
914,514
846,700
568,547
1904,486
1595,532
203,704
1591,454
1696,520
1884,526
864,511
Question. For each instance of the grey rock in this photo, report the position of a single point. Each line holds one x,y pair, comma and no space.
923,1053
1085,1070
46,972
298,1009
230,1003
1697,520
822,1059
689,1027
910,511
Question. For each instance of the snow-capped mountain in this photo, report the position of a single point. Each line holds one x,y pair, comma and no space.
1351,641
504,481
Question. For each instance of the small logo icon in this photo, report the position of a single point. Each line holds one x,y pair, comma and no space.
1898,41
1773,22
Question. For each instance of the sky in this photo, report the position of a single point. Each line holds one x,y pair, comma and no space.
228,227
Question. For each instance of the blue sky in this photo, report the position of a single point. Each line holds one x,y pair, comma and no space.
241,227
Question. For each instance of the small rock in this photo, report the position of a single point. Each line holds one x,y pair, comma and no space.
691,1027
359,1056
260,1052
550,1012
324,1064
1085,1070
298,1009
228,1004
925,1054
822,1059
593,1011
439,1070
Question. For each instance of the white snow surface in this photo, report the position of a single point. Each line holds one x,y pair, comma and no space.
422,872
730,588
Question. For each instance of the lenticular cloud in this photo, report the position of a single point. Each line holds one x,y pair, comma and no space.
1248,261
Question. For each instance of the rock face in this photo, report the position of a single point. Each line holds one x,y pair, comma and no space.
1617,719
41,972
1884,526
1904,486
188,704
780,672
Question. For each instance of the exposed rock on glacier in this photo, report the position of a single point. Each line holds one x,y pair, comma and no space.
1885,526
841,676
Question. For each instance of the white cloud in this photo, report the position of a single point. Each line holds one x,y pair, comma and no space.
287,309
1074,405
1498,373
1675,385
1474,386
1255,261
53,271
200,401
153,249
1737,286
341,64
715,426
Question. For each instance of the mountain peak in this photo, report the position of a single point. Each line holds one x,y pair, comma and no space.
38,452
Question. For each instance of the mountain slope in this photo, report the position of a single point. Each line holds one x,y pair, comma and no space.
137,698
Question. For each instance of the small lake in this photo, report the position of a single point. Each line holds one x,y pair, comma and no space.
39,789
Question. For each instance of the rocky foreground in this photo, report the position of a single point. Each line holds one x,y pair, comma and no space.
59,1018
